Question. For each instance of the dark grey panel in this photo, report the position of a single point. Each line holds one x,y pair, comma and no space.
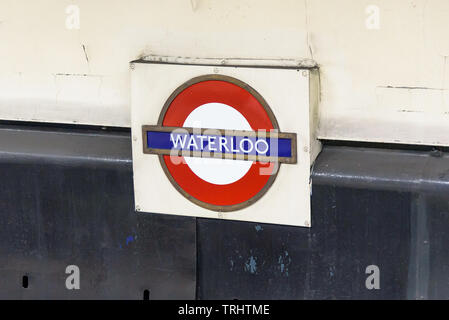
67,199
437,225
242,260
351,229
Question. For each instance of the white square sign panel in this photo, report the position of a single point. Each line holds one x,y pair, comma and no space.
228,142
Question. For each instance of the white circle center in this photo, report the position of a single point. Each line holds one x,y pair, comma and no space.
216,115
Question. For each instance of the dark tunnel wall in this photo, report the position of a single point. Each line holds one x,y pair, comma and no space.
66,198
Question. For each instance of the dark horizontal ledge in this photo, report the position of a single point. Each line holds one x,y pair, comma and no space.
64,145
386,169
347,166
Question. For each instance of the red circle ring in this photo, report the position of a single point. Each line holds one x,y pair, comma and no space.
239,95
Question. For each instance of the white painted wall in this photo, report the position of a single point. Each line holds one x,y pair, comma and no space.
388,84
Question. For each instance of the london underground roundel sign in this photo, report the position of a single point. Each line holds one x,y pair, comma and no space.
219,142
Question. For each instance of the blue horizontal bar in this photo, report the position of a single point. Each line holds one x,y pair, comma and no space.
273,147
